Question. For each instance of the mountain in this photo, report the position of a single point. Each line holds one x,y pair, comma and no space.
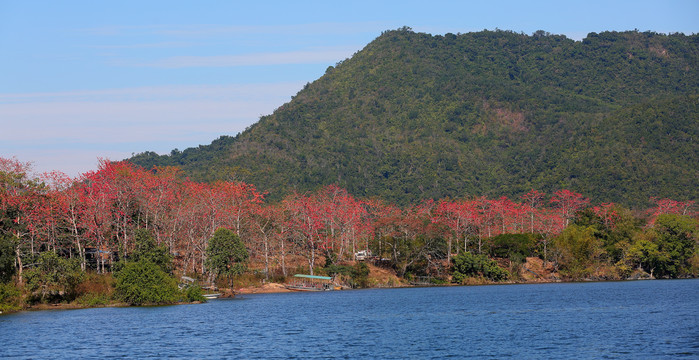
414,116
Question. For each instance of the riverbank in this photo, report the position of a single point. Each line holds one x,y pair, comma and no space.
266,288
275,288
77,306
532,271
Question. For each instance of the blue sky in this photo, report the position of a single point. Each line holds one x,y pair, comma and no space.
83,80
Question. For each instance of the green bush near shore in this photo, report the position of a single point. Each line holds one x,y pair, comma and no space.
9,298
194,293
144,282
470,265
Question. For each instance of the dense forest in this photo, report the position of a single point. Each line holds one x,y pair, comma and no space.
126,233
413,117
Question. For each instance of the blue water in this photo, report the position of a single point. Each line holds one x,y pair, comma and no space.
615,320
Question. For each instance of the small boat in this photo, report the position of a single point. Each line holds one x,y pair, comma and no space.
211,296
187,282
304,282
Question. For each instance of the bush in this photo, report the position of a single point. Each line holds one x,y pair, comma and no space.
9,297
144,282
515,247
98,284
577,251
194,293
469,265
334,269
7,258
360,275
93,299
54,278
148,249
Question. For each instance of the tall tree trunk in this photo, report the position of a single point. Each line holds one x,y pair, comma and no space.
81,251
266,241
283,258
19,266
449,249
312,259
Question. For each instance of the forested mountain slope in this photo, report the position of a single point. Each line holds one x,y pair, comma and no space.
414,116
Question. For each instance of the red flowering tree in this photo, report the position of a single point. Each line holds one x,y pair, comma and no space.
568,203
669,206
307,222
533,200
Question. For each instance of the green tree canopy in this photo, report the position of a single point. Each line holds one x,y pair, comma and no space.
7,258
144,282
54,277
676,238
468,265
577,250
226,254
146,277
147,249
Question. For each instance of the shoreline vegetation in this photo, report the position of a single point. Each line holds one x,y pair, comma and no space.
278,288
126,235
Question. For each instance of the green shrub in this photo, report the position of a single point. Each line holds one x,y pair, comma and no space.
577,251
7,258
360,275
515,247
93,299
469,265
9,297
334,269
148,249
144,282
194,293
54,278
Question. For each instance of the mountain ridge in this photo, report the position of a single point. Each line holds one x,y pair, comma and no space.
414,116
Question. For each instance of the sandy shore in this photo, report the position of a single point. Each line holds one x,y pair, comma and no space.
267,288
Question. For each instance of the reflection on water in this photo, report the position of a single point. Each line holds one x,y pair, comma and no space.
643,319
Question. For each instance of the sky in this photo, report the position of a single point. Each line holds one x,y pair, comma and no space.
87,80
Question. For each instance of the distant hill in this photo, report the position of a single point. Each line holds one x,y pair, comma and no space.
414,116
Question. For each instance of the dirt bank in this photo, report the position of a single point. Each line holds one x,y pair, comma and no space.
267,288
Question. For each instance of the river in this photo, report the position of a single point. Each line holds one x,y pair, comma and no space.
616,320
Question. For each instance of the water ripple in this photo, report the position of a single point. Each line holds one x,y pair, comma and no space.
626,320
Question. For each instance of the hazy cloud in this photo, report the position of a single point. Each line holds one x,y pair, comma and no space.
83,125
331,55
208,30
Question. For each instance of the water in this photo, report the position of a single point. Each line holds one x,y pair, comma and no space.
615,320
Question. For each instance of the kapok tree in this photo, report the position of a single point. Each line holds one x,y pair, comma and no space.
18,195
533,200
306,221
568,203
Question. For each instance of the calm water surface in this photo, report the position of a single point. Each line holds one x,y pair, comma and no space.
615,320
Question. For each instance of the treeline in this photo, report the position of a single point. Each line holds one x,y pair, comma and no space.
122,212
